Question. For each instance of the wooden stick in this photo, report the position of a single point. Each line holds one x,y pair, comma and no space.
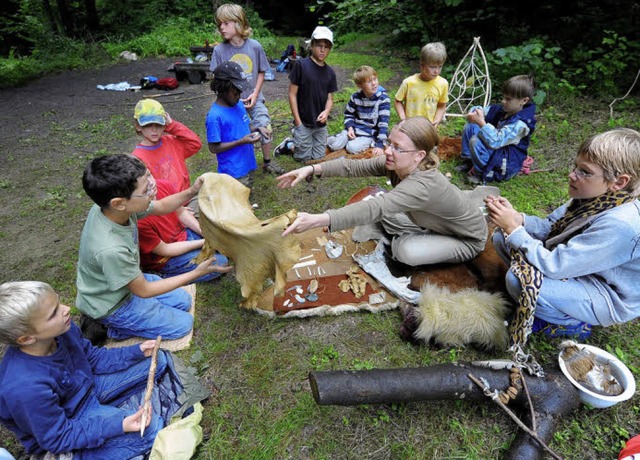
175,93
513,416
150,380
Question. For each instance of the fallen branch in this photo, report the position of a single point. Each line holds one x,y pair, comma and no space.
150,379
553,395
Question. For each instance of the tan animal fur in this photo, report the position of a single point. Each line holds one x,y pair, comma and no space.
463,317
256,247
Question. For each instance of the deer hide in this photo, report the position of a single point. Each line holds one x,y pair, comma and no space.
257,247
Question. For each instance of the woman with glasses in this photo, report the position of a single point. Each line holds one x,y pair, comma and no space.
427,219
581,264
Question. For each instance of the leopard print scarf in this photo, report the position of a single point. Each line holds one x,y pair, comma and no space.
531,278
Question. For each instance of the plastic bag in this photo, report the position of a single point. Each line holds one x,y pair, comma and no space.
178,440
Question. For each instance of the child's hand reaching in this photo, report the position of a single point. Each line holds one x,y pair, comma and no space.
351,134
133,422
502,214
167,118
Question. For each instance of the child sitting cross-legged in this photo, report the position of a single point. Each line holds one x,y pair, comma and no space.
579,266
60,394
366,117
111,287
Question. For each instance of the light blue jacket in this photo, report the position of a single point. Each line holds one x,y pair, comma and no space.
604,258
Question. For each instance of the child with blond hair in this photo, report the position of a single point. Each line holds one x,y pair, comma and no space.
579,266
366,117
426,93
234,27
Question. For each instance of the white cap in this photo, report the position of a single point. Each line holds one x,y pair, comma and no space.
322,33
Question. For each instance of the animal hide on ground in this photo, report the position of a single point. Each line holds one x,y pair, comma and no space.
459,318
256,247
449,147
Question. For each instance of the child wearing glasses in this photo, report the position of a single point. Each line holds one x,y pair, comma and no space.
584,257
496,138
111,287
427,219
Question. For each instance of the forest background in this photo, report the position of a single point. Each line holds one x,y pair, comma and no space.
584,55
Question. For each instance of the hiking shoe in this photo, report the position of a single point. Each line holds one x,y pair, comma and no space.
463,167
283,148
272,168
580,330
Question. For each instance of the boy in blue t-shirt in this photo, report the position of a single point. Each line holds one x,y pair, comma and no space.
228,126
237,46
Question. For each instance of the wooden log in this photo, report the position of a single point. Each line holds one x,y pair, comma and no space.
553,396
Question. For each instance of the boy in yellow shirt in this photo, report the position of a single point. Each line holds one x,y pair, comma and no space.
426,93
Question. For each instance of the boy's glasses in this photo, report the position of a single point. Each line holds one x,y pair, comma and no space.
582,174
388,145
147,192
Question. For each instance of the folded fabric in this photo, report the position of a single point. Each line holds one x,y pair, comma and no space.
122,86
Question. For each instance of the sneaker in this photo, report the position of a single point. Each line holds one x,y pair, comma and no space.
580,330
272,168
463,167
283,148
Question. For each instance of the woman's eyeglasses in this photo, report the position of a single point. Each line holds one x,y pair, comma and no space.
388,145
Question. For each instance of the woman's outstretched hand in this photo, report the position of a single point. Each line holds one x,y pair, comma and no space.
291,178
306,221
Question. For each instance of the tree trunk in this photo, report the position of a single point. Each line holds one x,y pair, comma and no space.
553,396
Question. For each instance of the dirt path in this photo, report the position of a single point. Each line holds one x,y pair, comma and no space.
50,129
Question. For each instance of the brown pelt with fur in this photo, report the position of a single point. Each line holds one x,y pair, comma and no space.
449,147
484,274
468,316
342,153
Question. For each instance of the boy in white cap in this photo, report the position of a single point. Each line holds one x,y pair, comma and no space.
312,82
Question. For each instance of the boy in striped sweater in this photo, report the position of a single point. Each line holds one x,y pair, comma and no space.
366,117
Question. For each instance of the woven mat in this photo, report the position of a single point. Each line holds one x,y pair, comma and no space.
170,345
331,300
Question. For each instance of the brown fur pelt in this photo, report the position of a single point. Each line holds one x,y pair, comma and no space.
449,147
257,247
484,275
468,316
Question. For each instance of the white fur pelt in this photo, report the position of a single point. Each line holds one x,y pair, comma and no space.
463,317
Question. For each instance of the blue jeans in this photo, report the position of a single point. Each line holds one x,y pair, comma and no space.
561,301
473,148
111,390
178,265
166,315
